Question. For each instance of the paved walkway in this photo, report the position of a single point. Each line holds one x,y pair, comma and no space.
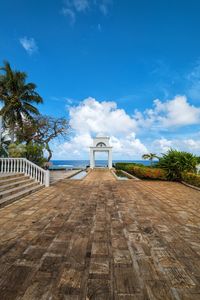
60,175
100,238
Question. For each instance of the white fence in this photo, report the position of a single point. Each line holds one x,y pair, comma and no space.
23,165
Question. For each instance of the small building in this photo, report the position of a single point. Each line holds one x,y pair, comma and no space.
100,144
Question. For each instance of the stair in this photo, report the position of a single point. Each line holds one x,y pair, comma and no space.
15,186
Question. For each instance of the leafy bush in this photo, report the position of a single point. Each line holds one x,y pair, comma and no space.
34,153
191,178
31,151
142,172
175,162
148,173
126,166
15,150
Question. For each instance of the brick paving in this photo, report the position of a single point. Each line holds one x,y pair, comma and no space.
100,238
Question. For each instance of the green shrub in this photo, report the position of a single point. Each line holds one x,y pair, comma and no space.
175,162
141,171
34,153
15,150
126,166
148,173
191,178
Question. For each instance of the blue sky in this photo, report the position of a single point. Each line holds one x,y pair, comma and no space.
122,54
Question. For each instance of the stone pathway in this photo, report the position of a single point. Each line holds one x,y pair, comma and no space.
100,238
56,176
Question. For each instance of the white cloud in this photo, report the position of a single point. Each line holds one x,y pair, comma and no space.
104,6
194,82
80,5
69,13
177,112
73,7
91,118
29,45
163,145
104,117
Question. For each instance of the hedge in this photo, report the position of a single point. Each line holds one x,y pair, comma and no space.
143,172
191,178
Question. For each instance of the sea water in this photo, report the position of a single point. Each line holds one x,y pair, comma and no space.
98,163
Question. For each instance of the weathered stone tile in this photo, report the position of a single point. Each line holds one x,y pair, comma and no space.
178,277
98,289
126,281
34,253
99,249
159,290
51,264
58,248
122,257
78,250
15,281
100,236
79,235
99,267
119,243
70,282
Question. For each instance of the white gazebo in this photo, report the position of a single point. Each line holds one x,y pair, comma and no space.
100,144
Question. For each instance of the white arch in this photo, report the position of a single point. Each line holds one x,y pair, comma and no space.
100,144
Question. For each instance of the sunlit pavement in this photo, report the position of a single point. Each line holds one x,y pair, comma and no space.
100,238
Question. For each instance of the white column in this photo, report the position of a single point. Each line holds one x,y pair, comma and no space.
110,159
91,159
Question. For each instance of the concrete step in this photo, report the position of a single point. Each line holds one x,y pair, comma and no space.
18,189
12,180
14,197
15,183
4,176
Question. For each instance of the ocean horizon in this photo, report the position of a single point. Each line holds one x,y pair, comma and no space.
99,163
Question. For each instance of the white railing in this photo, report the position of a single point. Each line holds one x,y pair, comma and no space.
23,165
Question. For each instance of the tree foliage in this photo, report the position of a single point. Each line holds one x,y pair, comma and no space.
150,156
43,131
175,162
17,97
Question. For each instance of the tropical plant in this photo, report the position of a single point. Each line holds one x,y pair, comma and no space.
142,171
191,178
150,156
175,162
17,97
35,153
16,150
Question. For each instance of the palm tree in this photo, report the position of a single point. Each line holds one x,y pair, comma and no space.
17,97
149,156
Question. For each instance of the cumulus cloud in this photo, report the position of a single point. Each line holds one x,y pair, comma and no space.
91,118
172,113
29,45
104,117
162,145
73,7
